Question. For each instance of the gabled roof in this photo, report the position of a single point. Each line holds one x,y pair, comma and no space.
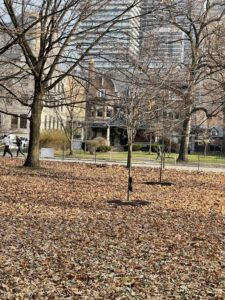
118,120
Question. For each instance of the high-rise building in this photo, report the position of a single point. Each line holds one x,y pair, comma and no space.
160,34
159,38
119,21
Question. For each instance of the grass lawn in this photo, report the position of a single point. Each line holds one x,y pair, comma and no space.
67,233
212,159
145,156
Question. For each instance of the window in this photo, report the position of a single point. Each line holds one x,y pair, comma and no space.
100,113
14,122
50,122
23,122
45,123
170,115
172,96
165,115
177,115
101,93
214,132
108,113
53,124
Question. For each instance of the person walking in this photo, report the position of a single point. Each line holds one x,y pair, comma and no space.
6,142
19,145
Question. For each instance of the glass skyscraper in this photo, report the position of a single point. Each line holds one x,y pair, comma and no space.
120,40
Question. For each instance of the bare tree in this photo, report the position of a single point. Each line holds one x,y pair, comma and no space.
196,21
135,105
190,25
216,63
73,98
46,33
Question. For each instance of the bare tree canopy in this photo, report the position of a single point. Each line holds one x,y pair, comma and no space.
181,33
42,42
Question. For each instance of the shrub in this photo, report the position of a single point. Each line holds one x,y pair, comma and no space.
94,144
54,139
103,148
135,147
145,148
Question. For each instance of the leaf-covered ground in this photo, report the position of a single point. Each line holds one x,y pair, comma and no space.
62,238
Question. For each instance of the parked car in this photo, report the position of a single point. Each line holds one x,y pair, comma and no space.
25,142
13,144
12,138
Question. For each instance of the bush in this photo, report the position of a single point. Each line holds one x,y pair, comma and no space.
145,148
103,148
135,147
95,144
54,139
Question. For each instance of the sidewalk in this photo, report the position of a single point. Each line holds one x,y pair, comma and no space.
146,164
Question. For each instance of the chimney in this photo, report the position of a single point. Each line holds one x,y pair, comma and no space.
91,75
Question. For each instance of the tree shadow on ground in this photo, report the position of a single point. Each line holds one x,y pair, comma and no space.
159,183
128,203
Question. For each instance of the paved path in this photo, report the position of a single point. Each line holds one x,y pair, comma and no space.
147,164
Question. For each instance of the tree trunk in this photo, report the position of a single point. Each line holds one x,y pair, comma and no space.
205,149
183,152
71,137
223,141
71,149
128,156
32,159
130,184
150,144
71,143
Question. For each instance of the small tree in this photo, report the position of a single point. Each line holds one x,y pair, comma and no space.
73,99
135,103
204,138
